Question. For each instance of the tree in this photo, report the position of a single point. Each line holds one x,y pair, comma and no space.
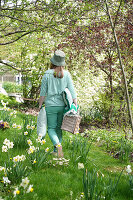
120,62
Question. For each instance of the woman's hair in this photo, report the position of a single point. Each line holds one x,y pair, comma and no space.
59,71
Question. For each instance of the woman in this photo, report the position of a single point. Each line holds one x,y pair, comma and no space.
54,82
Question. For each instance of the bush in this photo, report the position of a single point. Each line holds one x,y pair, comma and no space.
11,101
11,87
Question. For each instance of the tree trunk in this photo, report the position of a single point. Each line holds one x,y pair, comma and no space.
121,65
111,93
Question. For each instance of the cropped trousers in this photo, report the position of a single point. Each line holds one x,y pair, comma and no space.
54,122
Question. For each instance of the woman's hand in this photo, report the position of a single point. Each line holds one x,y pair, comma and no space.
75,102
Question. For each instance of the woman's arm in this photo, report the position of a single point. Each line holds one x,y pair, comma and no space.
41,100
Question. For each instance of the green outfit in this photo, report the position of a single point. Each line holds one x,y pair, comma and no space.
52,88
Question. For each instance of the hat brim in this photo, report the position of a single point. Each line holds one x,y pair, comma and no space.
57,63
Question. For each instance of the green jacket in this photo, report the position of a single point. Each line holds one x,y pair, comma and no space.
52,88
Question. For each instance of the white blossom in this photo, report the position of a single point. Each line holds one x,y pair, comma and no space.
2,168
128,169
4,148
30,189
14,125
25,182
6,180
29,142
31,149
16,191
80,166
6,142
10,145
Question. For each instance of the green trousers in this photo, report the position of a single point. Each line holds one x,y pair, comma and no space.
54,122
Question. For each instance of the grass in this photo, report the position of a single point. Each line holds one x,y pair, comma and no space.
60,182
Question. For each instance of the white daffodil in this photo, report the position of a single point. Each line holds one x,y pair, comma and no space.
16,191
10,145
25,182
19,127
19,158
29,142
26,133
22,158
80,166
30,189
128,169
32,127
34,161
6,142
6,180
38,140
4,104
28,126
2,168
4,148
47,149
16,159
14,125
31,149
43,141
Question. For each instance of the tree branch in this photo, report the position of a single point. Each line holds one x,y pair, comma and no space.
9,65
12,33
16,39
117,13
99,65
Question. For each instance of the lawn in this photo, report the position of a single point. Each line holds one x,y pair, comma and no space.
94,164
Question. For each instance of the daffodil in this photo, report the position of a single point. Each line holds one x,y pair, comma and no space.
2,168
32,127
25,182
47,149
26,133
19,127
10,145
28,126
19,158
43,141
4,148
22,157
29,142
80,166
30,189
6,142
31,149
128,169
16,192
14,125
34,162
6,180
